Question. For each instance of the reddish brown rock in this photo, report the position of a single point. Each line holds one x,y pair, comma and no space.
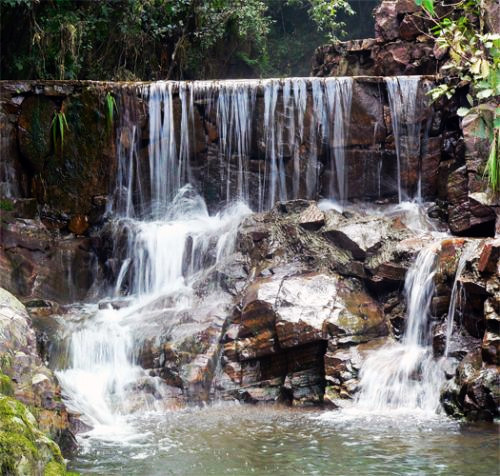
78,224
386,21
489,257
34,125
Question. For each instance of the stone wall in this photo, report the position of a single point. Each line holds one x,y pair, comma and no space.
402,46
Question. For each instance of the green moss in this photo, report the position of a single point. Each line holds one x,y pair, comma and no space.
54,469
24,449
6,385
6,205
16,451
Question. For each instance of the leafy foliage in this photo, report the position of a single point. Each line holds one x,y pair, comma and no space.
153,39
110,109
58,125
474,62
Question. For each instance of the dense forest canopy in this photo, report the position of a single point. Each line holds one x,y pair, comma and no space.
171,39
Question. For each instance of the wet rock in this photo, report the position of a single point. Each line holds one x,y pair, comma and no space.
489,260
460,345
305,387
359,238
490,348
25,450
312,218
342,367
34,125
35,263
78,224
32,382
303,305
268,392
182,347
474,393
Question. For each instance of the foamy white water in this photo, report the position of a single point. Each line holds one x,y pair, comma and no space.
405,377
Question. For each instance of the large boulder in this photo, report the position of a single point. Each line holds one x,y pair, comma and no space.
31,381
24,449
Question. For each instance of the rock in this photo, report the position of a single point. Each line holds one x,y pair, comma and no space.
24,449
25,208
386,21
35,121
410,27
303,305
32,382
312,218
461,343
475,391
305,387
490,348
489,260
78,224
342,366
358,238
35,263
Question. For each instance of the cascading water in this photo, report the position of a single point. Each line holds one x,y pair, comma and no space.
165,239
405,376
171,240
273,143
469,249
405,103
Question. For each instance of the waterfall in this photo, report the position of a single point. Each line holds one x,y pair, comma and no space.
406,103
171,242
271,139
468,251
405,376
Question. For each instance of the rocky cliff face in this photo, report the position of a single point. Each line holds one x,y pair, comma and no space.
308,294
401,46
473,391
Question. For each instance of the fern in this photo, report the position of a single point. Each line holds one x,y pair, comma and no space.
58,125
492,169
110,109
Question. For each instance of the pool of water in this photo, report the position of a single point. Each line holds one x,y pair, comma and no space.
247,440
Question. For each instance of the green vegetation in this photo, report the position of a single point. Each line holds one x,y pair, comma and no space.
6,205
24,449
164,39
110,109
6,385
58,125
474,62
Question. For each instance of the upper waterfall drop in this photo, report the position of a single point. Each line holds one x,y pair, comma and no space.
406,102
269,136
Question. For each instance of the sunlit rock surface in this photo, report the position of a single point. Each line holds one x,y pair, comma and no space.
32,382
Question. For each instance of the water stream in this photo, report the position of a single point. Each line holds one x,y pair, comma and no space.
405,377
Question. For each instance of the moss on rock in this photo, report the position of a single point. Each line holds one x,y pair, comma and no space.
24,449
6,387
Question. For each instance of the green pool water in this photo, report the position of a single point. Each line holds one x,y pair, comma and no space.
246,440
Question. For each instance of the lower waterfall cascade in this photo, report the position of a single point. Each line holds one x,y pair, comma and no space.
389,378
